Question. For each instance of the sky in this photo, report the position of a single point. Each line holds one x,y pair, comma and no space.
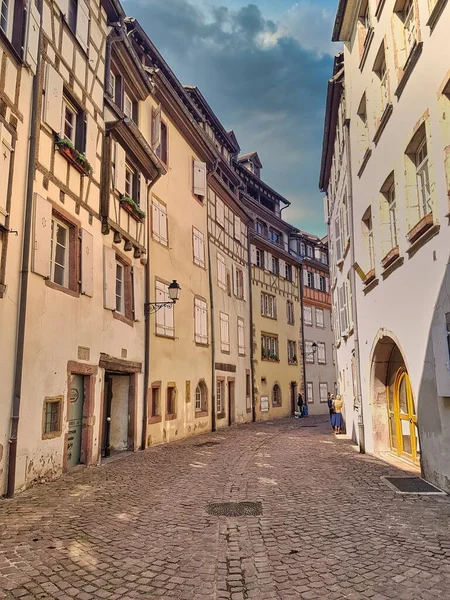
263,68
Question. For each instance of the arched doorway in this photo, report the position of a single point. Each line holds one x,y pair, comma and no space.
394,411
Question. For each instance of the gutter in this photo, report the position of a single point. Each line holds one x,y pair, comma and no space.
213,342
302,328
25,270
250,299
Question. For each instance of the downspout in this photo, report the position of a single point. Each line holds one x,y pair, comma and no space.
303,333
252,353
213,342
147,319
362,445
24,272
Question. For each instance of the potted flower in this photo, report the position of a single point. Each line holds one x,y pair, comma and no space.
132,208
76,158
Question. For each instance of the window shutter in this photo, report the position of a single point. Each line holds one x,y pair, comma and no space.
234,277
168,314
305,277
143,196
268,264
441,354
294,274
5,163
204,318
317,253
253,254
327,285
83,24
220,212
160,314
120,169
109,278
156,222
32,36
199,178
91,141
197,320
237,227
163,224
53,99
338,240
87,263
317,281
245,284
42,236
138,296
385,227
156,128
283,268
63,6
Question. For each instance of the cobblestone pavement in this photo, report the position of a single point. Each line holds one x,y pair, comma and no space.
138,528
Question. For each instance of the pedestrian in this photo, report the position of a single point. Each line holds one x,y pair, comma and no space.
300,405
330,402
336,420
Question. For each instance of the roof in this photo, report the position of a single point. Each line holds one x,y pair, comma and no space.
257,181
233,137
251,156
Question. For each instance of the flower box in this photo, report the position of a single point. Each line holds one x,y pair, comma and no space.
420,228
133,209
390,257
370,276
77,159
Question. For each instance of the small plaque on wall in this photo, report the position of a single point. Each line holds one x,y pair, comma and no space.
188,392
84,353
264,403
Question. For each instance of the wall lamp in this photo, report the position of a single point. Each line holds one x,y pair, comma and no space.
174,295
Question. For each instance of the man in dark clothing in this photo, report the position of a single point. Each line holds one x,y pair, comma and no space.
300,405
330,403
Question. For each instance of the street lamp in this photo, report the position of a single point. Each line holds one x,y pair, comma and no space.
174,295
314,347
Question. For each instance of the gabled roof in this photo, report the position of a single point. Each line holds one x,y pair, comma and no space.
234,140
253,156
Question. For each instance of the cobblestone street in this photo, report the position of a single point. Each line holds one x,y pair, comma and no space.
138,527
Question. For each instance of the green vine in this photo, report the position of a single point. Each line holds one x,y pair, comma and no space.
79,157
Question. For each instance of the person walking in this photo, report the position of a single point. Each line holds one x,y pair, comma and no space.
300,403
337,421
330,402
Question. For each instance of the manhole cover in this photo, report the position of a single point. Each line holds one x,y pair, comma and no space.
234,509
412,485
207,444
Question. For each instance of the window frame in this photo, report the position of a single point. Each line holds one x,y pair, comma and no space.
268,305
321,351
290,312
270,347
320,323
57,432
279,402
241,327
292,352
67,252
308,322
309,353
225,345
198,248
309,397
171,401
201,399
321,386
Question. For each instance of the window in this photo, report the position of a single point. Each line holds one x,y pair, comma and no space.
224,332
268,306
120,288
309,352
343,310
127,106
307,315
309,393
276,395
220,396
199,247
309,251
160,135
362,128
247,392
159,222
238,283
131,183
112,85
384,79
59,256
69,125
171,401
275,266
269,347
221,272
290,312
292,352
324,258
320,317
72,14
323,392
364,26
275,237
241,337
261,228
259,258
6,17
409,25
393,215
165,315
201,398
164,147
423,179
310,279
200,321
52,417
156,402
288,272
302,248
220,212
321,353
367,231
323,284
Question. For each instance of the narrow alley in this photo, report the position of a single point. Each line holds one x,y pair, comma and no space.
141,527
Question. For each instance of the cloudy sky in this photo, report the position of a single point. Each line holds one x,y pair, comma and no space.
263,67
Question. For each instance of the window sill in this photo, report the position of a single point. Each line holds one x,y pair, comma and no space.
200,265
390,257
271,360
293,363
370,285
411,62
52,435
383,122
365,160
166,337
277,405
269,317
379,9
171,416
225,351
346,249
16,55
156,419
61,288
427,234
241,354
393,266
201,413
367,44
420,228
202,344
370,276
221,415
436,13
122,318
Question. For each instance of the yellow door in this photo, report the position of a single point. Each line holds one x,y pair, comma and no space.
403,418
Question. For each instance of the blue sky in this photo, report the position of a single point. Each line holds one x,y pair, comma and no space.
263,66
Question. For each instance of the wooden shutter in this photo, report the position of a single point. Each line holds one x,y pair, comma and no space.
283,268
234,277
199,178
385,227
317,281
91,141
220,212
317,254
245,276
109,278
83,24
253,254
160,315
87,263
237,227
63,6
168,314
338,239
163,224
156,221
32,36
241,337
197,321
294,274
42,236
156,128
204,317
143,196
305,277
53,99
268,261
5,163
120,168
138,296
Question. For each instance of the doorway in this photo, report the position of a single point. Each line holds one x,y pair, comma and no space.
75,420
231,404
402,417
293,397
116,417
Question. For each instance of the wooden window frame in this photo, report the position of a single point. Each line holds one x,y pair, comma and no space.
127,315
171,415
203,409
48,435
73,288
279,402
155,412
310,400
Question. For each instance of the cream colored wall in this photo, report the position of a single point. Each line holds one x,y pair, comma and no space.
11,75
179,360
280,372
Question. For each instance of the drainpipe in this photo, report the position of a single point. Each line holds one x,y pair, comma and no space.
362,445
213,342
252,353
302,327
147,336
24,272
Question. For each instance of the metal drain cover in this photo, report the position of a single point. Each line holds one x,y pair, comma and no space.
207,444
234,509
412,485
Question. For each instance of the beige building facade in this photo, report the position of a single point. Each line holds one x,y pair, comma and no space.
397,63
